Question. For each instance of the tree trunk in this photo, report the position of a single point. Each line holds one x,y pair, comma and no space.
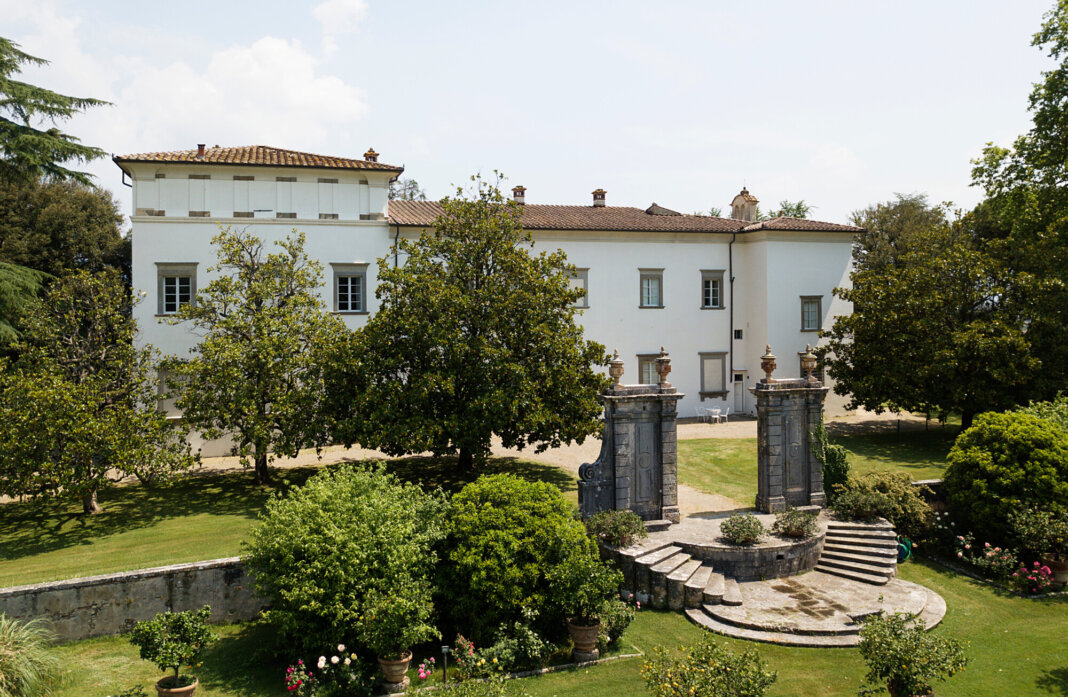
89,504
966,420
263,475
466,460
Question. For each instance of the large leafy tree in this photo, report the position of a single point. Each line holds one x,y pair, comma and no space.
78,409
31,145
257,373
890,226
475,337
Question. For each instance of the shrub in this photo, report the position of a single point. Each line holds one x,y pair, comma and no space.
993,562
903,658
507,538
348,556
616,528
580,588
1034,579
742,529
336,673
174,639
794,522
1041,534
517,646
27,667
616,616
889,495
1055,410
1003,465
833,459
708,670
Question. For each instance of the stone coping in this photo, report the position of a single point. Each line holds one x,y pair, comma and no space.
119,576
703,530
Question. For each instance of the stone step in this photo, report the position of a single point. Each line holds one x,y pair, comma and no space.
864,534
881,527
658,583
627,556
714,589
732,594
935,609
657,525
884,562
676,583
699,617
642,578
864,566
865,550
695,585
874,579
725,615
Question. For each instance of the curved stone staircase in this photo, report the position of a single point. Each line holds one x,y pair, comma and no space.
865,552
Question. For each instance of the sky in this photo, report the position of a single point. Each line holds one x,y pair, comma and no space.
840,104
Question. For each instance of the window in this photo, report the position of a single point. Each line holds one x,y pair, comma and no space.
652,281
244,178
711,290
244,214
324,216
199,214
177,286
200,176
647,369
713,374
581,281
810,313
285,179
350,288
285,215
738,334
327,180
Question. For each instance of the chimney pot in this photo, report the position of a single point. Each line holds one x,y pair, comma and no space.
371,155
598,198
519,194
200,151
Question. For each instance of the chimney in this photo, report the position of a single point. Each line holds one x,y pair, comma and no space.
200,151
519,194
598,198
743,207
371,155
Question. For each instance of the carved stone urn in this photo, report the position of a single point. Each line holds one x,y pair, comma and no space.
767,364
615,368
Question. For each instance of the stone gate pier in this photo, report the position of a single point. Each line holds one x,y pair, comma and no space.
637,468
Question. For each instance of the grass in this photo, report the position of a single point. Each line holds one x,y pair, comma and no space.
205,516
1016,646
728,466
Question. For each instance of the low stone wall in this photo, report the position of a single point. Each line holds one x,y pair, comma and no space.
80,608
757,563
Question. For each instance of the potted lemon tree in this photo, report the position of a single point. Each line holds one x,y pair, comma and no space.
396,621
581,588
172,640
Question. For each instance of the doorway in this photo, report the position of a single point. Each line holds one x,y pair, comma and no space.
739,393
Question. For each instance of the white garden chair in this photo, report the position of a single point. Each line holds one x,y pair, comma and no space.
715,415
725,414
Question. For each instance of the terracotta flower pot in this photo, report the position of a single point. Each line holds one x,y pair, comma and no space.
186,691
1059,567
395,669
584,636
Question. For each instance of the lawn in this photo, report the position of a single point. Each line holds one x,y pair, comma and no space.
728,466
205,516
1016,646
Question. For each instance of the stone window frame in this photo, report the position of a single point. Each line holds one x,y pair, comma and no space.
712,275
713,394
651,274
583,276
350,271
818,300
175,270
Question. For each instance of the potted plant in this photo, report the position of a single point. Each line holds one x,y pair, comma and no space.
581,588
1044,535
394,623
905,659
172,640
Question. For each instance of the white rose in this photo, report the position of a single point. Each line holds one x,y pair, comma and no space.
334,659
322,662
347,661
341,648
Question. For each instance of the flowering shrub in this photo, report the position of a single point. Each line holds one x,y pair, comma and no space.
616,615
174,639
795,523
1035,579
708,670
581,588
616,528
889,495
339,673
1042,534
994,562
903,658
518,646
742,529
426,668
300,680
471,663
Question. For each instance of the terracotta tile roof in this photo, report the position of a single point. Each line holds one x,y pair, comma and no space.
259,155
608,218
748,197
801,225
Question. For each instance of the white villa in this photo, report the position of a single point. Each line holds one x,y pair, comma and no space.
712,291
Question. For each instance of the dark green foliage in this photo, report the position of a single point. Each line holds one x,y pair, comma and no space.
474,337
31,147
347,559
616,528
19,287
1003,465
27,665
786,209
581,587
795,523
889,495
406,190
706,669
615,615
890,226
517,646
1040,534
1055,410
904,659
80,401
833,459
507,539
742,529
174,639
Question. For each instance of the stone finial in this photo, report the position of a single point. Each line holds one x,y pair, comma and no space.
767,364
663,367
615,368
808,365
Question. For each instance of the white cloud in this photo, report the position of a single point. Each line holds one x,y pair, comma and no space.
338,17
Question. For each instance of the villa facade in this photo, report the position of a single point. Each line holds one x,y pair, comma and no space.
713,291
